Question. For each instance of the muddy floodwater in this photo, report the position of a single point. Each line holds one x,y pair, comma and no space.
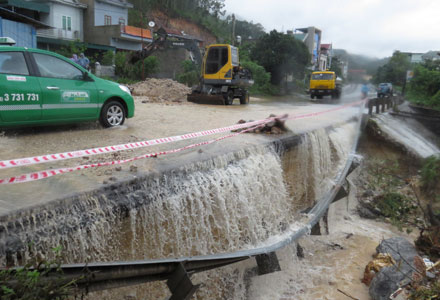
240,193
152,120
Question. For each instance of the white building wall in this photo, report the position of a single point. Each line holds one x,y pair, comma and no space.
55,19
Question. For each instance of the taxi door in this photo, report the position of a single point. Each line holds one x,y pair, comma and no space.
20,93
66,95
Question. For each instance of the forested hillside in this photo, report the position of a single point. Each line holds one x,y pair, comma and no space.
209,14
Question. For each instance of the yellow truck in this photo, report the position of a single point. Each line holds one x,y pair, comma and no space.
325,83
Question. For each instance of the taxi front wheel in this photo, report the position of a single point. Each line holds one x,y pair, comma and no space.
112,114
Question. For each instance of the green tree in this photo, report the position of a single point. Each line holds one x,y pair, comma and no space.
281,54
395,70
336,66
190,74
74,47
249,30
424,88
107,58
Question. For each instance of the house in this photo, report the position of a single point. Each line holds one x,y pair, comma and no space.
66,19
311,36
325,57
106,23
431,55
20,28
415,58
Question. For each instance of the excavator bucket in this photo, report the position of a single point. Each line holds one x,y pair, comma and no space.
206,99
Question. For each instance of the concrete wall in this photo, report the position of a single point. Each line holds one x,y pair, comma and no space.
23,34
115,12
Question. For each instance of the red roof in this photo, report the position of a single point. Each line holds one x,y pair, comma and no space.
326,46
136,31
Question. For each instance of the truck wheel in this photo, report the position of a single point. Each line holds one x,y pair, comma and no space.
244,99
229,97
319,96
312,96
112,114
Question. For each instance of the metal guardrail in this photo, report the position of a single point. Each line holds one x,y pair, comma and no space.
177,271
381,104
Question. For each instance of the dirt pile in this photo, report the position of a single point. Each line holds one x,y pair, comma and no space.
160,90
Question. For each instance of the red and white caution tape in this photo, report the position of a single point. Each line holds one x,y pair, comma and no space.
49,173
67,155
94,151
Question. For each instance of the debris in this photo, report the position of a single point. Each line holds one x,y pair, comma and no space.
118,168
380,260
275,126
160,91
349,296
428,263
133,168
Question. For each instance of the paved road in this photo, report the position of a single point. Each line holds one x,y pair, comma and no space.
151,121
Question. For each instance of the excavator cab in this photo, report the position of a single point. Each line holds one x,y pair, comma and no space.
222,77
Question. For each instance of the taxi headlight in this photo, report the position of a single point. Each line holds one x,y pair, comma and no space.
125,89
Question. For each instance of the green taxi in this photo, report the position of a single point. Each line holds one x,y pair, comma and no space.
39,87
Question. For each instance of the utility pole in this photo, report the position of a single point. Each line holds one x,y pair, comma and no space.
142,43
233,30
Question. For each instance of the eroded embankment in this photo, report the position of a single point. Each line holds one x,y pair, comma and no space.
230,202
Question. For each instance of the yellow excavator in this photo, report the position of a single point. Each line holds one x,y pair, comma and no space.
222,78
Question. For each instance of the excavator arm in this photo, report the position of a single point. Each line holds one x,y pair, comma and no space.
163,41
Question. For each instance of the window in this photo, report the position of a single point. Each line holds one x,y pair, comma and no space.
107,20
217,58
121,21
67,23
54,67
322,76
13,63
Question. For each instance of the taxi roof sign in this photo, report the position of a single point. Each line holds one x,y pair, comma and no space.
7,41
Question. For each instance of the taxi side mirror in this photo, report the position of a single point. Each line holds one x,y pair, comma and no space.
86,77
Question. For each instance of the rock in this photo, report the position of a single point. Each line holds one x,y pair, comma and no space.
366,213
133,168
276,130
108,172
118,168
389,279
368,193
270,124
299,251
399,248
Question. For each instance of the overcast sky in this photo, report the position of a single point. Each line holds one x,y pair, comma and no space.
372,27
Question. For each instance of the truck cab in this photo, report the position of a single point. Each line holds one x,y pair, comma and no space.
325,83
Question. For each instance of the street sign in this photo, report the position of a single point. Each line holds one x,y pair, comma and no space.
409,75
